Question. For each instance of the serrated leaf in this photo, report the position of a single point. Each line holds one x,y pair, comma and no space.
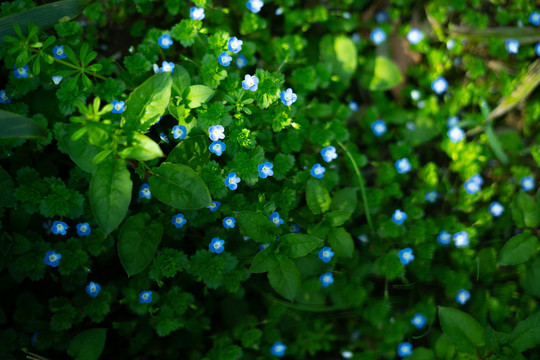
88,345
298,245
518,249
465,331
257,226
317,197
284,277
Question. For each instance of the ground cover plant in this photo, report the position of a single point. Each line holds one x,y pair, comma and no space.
265,179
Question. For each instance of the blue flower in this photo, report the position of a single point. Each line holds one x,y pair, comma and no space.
439,85
217,147
477,178
165,41
234,45
399,217
229,222
295,228
59,227
381,16
461,239
241,61
527,183
214,206
329,153
263,246
196,13
83,229
378,36
415,36
164,137
145,297
347,354
455,134
496,209
431,196
403,165
34,338
58,52
288,97
406,256
537,49
216,132
118,107
179,132
20,72
317,171
378,127
224,59
254,5
56,79
512,46
250,83
534,18
278,349
52,258
452,121
444,238
419,320
232,180
326,279
463,296
4,98
474,184
265,170
276,219
93,289
353,105
166,67
144,191
178,220
404,349
216,245
325,254
416,95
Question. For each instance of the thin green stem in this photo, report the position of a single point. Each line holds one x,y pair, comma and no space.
65,63
362,186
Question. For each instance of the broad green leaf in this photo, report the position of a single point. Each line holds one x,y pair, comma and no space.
524,210
142,148
518,249
341,242
192,152
180,80
317,197
8,187
444,348
110,193
138,240
198,95
42,16
340,54
17,126
526,334
179,187
80,151
465,332
257,226
147,103
421,353
298,245
284,277
88,345
337,217
343,205
386,74
263,261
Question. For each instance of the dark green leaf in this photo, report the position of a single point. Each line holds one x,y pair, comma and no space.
298,245
16,126
257,226
180,80
495,145
198,95
80,151
285,278
8,187
192,152
518,249
110,193
88,345
465,331
341,242
421,353
263,261
137,242
524,210
526,334
142,148
317,197
179,186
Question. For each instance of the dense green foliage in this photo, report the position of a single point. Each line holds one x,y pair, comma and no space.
108,159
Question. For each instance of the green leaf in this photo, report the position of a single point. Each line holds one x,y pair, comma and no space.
518,249
263,261
532,277
137,242
421,353
257,226
317,197
284,277
180,80
110,193
495,144
389,266
80,151
147,103
465,332
16,126
179,186
341,242
192,152
88,345
524,210
343,205
386,74
298,245
198,95
526,334
8,188
142,148
340,54
42,16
